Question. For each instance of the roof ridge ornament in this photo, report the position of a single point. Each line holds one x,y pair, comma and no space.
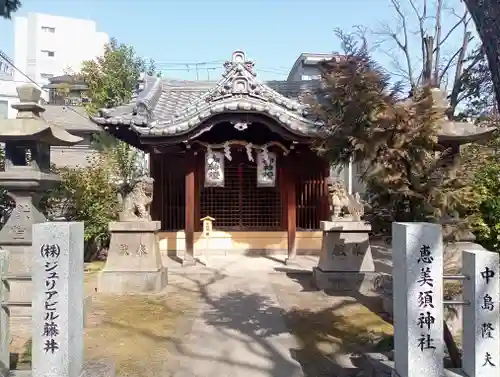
239,58
238,81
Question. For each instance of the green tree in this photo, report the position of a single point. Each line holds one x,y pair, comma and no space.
483,162
112,77
90,193
151,69
7,7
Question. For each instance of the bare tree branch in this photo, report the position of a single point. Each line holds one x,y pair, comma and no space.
397,69
402,43
448,65
457,82
462,19
437,39
429,48
421,27
486,14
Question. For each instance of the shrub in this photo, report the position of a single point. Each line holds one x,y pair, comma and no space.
86,194
486,223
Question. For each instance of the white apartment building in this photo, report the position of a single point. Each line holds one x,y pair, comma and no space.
8,94
47,46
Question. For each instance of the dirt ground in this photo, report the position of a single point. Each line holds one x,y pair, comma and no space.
134,330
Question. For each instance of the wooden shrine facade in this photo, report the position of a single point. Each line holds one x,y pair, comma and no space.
296,201
236,150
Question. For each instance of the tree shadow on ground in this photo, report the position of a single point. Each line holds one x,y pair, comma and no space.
327,339
247,321
328,335
304,279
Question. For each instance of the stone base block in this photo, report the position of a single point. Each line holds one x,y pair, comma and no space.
21,310
91,368
343,281
123,282
291,262
189,262
134,226
379,365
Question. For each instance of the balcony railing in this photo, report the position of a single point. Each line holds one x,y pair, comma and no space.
68,101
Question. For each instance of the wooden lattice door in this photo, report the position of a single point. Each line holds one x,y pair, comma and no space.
240,204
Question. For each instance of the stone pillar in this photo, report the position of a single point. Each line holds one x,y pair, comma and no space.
481,319
57,349
417,255
5,335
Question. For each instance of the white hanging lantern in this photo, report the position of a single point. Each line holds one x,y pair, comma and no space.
214,169
266,169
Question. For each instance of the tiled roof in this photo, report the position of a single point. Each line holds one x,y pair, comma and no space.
170,107
166,107
71,118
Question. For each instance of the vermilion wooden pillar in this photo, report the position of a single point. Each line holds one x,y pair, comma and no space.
291,209
153,172
190,209
325,207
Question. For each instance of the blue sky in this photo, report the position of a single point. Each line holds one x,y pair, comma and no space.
272,32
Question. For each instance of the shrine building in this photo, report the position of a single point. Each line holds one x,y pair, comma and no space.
237,150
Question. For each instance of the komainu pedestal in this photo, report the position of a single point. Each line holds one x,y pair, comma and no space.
345,262
134,262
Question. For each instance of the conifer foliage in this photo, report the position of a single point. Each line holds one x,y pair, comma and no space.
395,141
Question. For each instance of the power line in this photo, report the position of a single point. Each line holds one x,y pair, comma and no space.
34,82
197,67
21,72
189,63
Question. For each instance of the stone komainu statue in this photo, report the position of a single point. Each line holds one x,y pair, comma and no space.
341,202
136,202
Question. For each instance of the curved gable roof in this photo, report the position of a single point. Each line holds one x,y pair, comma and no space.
171,108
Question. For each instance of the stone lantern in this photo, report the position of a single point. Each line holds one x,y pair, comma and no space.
26,176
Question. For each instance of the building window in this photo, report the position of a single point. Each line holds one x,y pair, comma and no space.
4,109
46,75
50,54
48,29
4,67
